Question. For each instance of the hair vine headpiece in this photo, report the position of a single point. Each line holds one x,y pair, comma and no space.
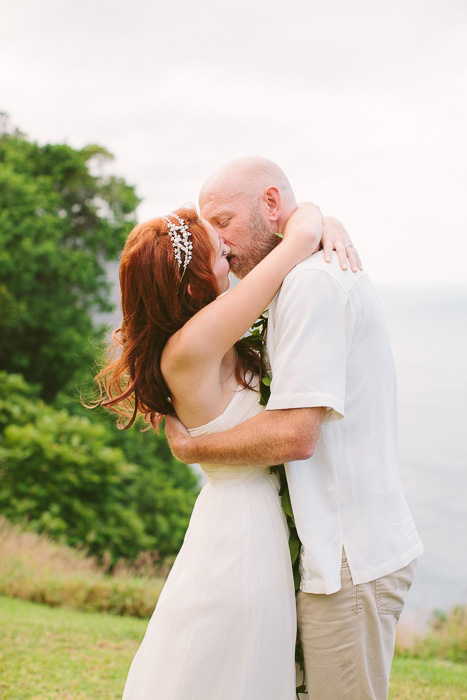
180,237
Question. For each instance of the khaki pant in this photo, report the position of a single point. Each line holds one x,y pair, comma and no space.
348,637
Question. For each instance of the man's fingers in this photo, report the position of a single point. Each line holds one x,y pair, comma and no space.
174,427
174,422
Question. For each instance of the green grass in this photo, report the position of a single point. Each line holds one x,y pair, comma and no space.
61,653
433,679
48,653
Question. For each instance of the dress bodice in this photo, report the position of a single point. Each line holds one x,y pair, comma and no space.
243,405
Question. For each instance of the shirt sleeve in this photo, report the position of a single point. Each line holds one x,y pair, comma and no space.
312,324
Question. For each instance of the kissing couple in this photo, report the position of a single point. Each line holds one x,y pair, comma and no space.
225,624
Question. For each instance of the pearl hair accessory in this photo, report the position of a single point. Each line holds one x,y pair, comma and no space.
179,235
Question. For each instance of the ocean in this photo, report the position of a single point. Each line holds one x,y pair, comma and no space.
428,329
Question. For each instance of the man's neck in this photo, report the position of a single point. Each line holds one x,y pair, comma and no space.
286,213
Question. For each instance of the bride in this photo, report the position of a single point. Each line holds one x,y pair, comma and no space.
224,626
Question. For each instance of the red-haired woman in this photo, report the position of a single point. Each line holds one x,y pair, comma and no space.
224,626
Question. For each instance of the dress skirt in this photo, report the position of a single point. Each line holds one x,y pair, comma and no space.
224,626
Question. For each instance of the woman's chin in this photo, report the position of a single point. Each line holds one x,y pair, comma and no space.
223,288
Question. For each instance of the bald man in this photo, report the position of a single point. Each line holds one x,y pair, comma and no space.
332,418
233,199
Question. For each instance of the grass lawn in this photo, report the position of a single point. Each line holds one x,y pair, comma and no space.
61,653
433,679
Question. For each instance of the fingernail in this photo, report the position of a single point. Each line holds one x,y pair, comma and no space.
328,258
344,267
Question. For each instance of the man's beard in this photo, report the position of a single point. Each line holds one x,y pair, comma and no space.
261,241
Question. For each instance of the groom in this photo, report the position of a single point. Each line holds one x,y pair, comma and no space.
332,418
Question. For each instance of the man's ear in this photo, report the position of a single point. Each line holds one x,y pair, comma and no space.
272,201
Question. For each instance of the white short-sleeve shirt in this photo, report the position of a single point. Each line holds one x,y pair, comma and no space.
328,346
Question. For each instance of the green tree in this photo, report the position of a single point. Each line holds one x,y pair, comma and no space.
59,474
84,482
164,490
66,470
61,219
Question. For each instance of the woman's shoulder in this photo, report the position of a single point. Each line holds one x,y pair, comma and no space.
184,360
197,390
187,348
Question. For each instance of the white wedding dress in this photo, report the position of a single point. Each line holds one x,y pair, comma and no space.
224,626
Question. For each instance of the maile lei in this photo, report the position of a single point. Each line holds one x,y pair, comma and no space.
256,339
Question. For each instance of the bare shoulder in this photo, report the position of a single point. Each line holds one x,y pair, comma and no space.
195,386
189,347
184,360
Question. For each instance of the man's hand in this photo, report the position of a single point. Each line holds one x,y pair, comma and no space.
179,438
335,237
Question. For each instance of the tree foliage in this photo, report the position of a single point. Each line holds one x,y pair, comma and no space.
85,483
61,220
65,470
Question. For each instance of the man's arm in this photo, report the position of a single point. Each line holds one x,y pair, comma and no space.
269,438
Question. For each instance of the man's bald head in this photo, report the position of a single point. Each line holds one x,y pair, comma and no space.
247,201
248,177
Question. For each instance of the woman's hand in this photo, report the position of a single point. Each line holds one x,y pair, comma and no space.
307,230
335,237
304,229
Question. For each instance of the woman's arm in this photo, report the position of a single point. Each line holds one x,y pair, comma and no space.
216,328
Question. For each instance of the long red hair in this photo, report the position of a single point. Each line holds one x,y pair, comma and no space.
157,300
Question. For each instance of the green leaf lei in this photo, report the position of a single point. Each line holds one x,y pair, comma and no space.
256,339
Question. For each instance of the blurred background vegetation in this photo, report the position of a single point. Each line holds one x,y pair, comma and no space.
64,470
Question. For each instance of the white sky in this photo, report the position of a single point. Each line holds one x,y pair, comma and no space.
362,103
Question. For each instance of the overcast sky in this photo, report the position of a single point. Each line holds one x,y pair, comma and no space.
362,103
